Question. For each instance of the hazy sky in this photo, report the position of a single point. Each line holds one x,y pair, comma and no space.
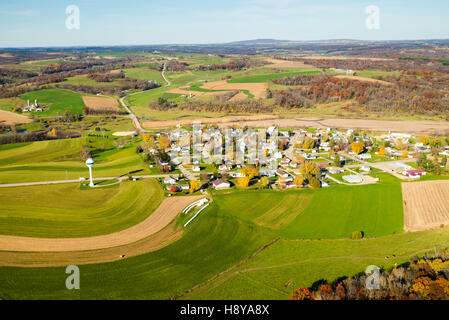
25,23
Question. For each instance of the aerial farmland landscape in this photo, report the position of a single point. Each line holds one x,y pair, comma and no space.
209,167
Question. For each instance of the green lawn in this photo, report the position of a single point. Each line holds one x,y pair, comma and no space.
56,100
67,211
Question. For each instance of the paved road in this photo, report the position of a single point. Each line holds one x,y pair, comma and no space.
128,109
133,117
189,175
37,183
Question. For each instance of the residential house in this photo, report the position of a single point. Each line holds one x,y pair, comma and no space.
221,184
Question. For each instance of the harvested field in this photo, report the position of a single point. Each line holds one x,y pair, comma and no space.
124,133
257,89
10,118
344,58
52,259
116,71
101,103
428,127
223,120
277,63
365,79
426,204
157,221
6,55
239,97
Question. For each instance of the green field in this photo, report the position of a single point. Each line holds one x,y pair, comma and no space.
57,100
265,77
326,213
60,160
85,81
144,74
224,234
56,210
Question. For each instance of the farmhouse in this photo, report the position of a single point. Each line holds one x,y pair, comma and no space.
170,180
335,170
415,173
282,173
221,184
364,156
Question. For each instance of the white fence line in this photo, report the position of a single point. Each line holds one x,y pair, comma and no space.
186,224
190,206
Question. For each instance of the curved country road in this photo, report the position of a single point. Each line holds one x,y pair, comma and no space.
159,219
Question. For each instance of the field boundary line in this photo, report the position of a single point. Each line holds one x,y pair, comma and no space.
220,274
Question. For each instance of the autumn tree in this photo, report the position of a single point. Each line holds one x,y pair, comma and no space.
314,182
250,172
309,143
164,142
382,151
243,182
299,180
85,153
424,140
309,168
53,133
194,186
357,147
264,182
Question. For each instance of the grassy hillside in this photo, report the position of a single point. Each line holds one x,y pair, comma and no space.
224,235
56,100
144,74
60,160
265,77
48,211
327,213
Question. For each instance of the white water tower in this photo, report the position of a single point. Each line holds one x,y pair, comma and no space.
90,164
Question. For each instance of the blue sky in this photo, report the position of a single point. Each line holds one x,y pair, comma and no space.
138,22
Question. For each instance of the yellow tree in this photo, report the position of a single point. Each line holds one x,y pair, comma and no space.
424,140
357,147
299,180
194,186
309,143
382,151
400,145
243,182
264,181
250,172
309,167
164,142
53,133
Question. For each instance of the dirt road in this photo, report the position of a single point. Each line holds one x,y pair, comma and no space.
414,126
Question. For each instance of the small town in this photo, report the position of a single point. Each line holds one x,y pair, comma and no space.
306,158
230,159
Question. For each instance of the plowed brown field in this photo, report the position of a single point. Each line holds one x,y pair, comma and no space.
426,204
